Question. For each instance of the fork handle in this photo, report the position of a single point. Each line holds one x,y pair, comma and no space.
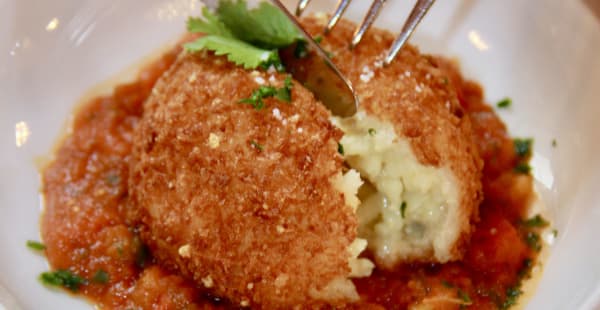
417,13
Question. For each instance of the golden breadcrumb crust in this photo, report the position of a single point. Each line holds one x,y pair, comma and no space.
236,198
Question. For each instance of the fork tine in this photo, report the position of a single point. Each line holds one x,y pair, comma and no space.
339,11
367,22
417,13
301,6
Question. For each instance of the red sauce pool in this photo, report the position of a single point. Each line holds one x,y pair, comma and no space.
85,231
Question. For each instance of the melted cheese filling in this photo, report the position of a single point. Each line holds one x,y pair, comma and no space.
421,229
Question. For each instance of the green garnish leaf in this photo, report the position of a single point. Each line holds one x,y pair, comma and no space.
256,98
340,149
35,245
264,26
523,147
504,103
523,168
210,25
256,145
403,209
536,221
101,277
63,278
238,52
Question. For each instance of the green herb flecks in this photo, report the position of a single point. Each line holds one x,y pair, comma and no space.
35,245
533,241
523,147
101,277
256,145
63,278
522,168
554,144
341,149
536,221
554,233
504,103
283,93
403,209
512,295
372,131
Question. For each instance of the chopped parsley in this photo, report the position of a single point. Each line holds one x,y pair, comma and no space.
256,145
63,278
403,209
504,103
554,143
555,233
536,221
372,131
35,245
523,147
523,168
512,294
533,241
318,39
340,149
445,81
248,37
256,98
101,277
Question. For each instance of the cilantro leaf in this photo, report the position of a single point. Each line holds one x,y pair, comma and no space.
238,52
210,25
264,26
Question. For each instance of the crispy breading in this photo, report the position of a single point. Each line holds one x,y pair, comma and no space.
415,94
239,199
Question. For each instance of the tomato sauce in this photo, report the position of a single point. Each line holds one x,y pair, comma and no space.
85,231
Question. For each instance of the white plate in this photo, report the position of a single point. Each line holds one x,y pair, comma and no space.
545,55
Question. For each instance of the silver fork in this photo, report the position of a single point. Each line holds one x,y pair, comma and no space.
415,17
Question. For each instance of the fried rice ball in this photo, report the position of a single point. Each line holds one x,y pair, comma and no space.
250,202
